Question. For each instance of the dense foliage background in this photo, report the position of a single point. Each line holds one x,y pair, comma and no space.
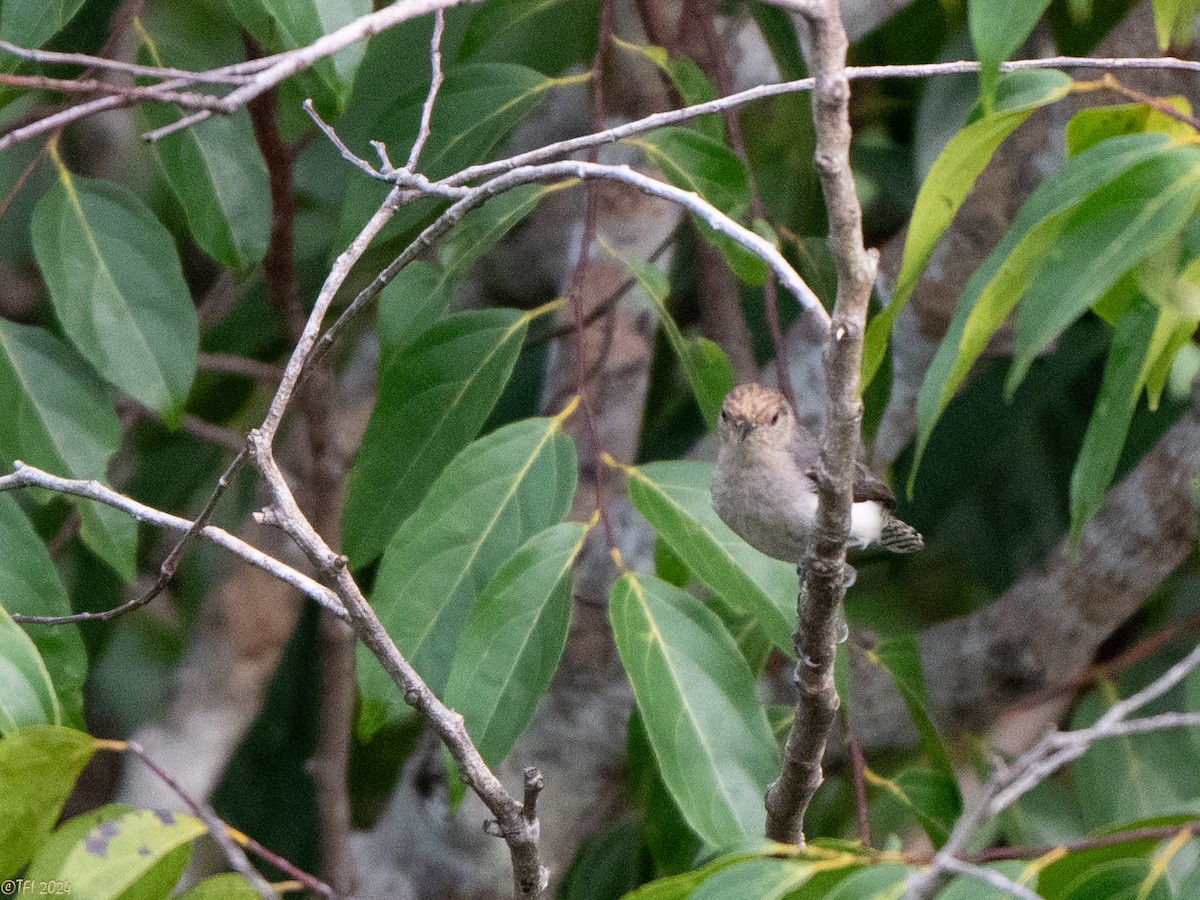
512,447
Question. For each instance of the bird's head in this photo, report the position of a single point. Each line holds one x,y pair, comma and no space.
754,416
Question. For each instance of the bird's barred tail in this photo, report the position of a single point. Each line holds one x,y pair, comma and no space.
900,537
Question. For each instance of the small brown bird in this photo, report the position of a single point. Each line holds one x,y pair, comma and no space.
763,486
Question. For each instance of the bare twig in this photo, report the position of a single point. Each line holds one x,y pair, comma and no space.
823,570
233,364
166,571
435,82
30,476
219,831
285,65
992,877
116,65
1051,753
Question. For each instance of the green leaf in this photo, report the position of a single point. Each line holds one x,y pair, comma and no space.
290,24
949,181
1005,275
546,35
779,34
29,585
900,656
433,399
1136,343
688,80
881,880
218,175
1175,22
764,879
675,498
47,864
1089,127
38,768
512,640
478,107
30,23
115,855
229,886
704,363
696,697
55,414
1121,223
491,498
681,886
704,165
118,290
997,28
1119,879
26,692
967,887
931,796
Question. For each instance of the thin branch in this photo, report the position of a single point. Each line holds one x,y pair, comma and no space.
435,82
30,476
285,65
219,831
166,571
580,169
116,65
1055,750
134,92
992,877
823,578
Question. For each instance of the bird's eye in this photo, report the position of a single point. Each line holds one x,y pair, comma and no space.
724,416
775,418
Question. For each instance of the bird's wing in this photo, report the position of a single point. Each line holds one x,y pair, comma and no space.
869,486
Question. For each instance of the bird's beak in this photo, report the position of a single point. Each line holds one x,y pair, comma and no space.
744,427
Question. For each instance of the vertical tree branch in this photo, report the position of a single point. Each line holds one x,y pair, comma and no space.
824,570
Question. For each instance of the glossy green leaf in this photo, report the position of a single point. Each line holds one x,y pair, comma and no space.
1123,222
676,499
697,162
229,886
696,697
946,186
1175,22
1136,343
967,887
997,28
546,35
1119,879
900,656
931,796
1089,127
1132,778
878,881
1004,276
47,863
679,887
26,692
478,107
433,399
491,498
38,768
512,640
30,23
55,414
418,296
114,855
290,24
704,363
219,177
118,290
764,879
29,585
689,81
